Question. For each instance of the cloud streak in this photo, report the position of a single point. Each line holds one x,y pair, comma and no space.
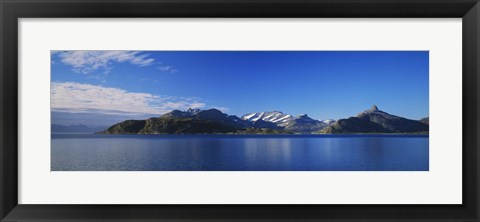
88,61
169,69
86,98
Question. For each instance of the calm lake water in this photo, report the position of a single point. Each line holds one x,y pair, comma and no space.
90,152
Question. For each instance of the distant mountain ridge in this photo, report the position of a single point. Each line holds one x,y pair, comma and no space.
212,121
79,128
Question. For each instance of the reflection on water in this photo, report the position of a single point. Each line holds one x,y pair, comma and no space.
269,151
265,153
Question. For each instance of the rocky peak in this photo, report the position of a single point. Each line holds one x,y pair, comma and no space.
373,110
303,116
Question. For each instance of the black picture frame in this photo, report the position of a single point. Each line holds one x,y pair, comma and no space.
12,10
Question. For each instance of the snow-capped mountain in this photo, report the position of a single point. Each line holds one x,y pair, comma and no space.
276,117
279,120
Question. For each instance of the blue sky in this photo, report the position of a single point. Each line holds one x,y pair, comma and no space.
102,87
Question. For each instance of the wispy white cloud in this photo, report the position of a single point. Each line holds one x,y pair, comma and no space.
182,105
169,69
86,98
223,109
88,61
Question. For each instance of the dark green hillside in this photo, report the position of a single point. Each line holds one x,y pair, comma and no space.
184,126
126,127
355,125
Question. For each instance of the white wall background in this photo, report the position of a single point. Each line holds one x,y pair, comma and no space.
441,185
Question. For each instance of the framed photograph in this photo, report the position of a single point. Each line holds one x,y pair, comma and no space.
224,110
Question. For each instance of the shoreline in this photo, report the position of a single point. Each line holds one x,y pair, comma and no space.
261,135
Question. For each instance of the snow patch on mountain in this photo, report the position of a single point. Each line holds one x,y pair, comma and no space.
328,121
276,117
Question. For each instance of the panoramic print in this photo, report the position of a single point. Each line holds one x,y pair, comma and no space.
239,110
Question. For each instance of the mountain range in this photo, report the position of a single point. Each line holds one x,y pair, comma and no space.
213,121
58,128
